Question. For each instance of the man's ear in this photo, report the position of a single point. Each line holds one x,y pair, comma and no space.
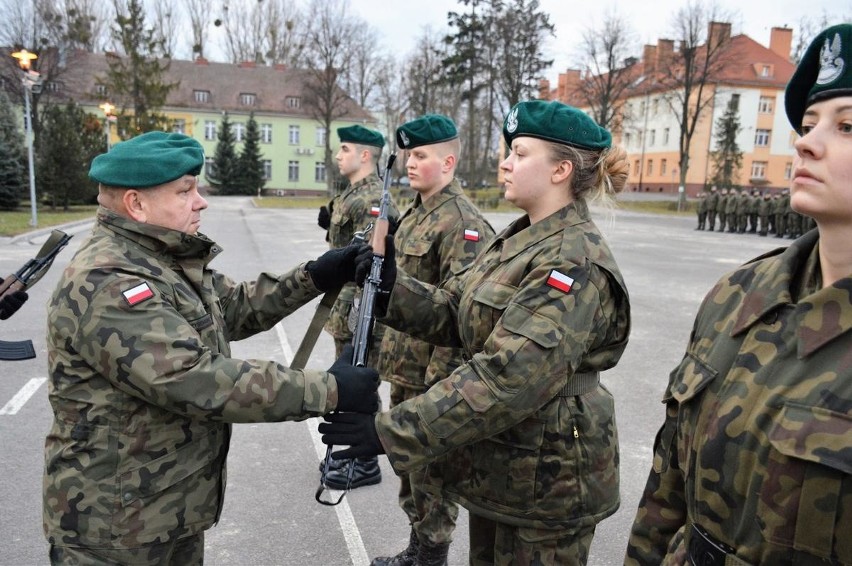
562,171
449,163
132,201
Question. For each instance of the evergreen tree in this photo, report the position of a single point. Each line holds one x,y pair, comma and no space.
727,158
250,162
223,176
71,139
13,172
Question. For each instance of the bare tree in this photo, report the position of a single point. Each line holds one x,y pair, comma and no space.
198,12
424,67
364,60
284,43
166,20
243,22
390,100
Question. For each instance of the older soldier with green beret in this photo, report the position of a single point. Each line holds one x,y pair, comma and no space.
142,384
752,464
522,434
354,210
438,236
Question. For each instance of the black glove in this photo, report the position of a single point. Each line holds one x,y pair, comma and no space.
356,386
335,267
358,430
324,218
10,303
364,261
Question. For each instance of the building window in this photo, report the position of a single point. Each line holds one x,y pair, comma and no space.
209,167
294,102
239,131
761,138
735,101
656,105
650,167
766,71
266,133
294,135
247,98
179,126
101,90
201,95
653,137
267,169
209,130
293,171
788,171
663,163
319,172
765,105
626,139
758,170
666,136
321,134
636,167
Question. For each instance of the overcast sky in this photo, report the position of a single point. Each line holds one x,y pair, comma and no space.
400,22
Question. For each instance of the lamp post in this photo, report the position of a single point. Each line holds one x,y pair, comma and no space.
107,108
31,81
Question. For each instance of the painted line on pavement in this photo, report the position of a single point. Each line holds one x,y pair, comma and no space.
22,396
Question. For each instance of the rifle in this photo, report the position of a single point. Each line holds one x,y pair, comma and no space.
366,318
22,280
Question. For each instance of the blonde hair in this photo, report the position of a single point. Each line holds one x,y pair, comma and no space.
598,174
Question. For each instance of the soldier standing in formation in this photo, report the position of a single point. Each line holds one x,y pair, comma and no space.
754,199
764,213
701,211
731,210
352,211
141,381
781,214
438,236
712,208
721,207
522,434
752,463
743,206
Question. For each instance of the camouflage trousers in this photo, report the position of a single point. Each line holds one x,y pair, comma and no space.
506,545
432,517
187,551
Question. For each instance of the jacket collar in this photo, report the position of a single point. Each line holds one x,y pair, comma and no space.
519,235
424,208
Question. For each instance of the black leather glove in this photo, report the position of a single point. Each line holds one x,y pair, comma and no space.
364,261
358,430
356,386
324,218
335,267
11,302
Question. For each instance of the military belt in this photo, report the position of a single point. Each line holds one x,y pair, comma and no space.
704,550
580,384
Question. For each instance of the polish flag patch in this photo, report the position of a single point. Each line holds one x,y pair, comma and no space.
375,211
471,235
559,280
137,294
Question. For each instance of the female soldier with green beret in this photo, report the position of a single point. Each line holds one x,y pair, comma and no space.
753,462
522,434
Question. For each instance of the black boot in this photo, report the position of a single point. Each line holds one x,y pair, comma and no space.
367,472
432,554
407,557
332,464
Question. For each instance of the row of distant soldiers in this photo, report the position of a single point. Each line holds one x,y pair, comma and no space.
749,212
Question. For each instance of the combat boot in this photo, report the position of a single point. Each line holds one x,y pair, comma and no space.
432,554
367,472
407,557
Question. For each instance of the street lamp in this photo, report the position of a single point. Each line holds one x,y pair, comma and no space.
32,83
107,108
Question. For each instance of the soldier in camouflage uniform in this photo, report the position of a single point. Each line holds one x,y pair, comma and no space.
142,385
701,210
781,214
712,208
731,209
764,212
752,464
721,207
352,211
438,236
522,434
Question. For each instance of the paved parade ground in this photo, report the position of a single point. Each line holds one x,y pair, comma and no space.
270,516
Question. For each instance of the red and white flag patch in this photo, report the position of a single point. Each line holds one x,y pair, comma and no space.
137,294
471,235
375,211
559,280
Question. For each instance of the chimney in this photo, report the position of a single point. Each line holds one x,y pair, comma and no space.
544,89
665,50
201,61
718,33
568,83
781,42
649,59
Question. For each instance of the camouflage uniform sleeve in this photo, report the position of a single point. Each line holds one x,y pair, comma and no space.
424,311
150,351
543,332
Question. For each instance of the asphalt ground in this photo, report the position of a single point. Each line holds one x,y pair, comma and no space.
270,516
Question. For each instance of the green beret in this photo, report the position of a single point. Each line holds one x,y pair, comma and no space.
361,136
148,160
556,122
426,130
822,73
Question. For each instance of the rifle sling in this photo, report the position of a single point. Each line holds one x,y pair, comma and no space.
300,358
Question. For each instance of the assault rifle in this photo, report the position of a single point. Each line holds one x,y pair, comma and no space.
23,279
366,318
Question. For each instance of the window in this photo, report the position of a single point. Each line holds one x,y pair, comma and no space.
209,168
766,71
626,139
294,102
758,170
294,135
209,130
636,167
267,169
293,171
201,95
650,167
666,136
653,137
765,105
52,86
663,163
266,133
761,137
319,172
788,171
735,101
656,105
179,126
239,131
101,90
321,136
247,98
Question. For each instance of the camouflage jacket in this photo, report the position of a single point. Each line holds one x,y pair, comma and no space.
755,447
352,211
142,385
713,201
435,240
526,431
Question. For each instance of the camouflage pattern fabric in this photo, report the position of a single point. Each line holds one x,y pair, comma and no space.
520,447
353,211
142,385
755,444
187,551
495,544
